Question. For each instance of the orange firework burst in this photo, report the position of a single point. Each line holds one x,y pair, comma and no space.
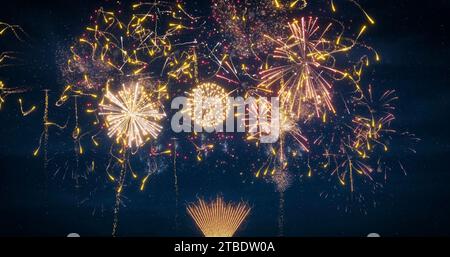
217,218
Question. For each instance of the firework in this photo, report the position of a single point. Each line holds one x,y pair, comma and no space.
217,218
244,31
208,105
360,139
288,128
258,48
132,116
308,66
121,48
282,181
370,128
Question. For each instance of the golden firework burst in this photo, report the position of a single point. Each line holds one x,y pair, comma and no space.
208,105
217,218
132,115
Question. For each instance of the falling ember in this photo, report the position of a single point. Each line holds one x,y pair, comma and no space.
5,92
25,112
208,105
5,58
217,218
281,211
132,116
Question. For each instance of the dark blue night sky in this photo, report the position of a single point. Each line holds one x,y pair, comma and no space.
413,39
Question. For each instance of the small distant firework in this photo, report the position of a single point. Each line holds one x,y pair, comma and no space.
308,66
371,125
132,116
288,128
208,105
217,218
282,181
